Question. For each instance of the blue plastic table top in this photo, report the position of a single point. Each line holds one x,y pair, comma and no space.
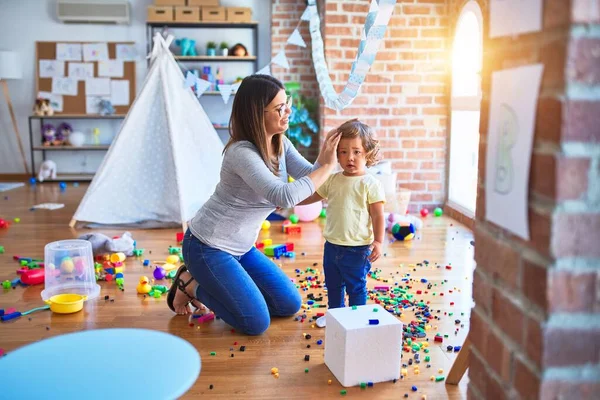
101,364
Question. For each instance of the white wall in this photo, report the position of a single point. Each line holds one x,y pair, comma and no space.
26,21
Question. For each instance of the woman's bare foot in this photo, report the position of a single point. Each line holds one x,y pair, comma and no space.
181,301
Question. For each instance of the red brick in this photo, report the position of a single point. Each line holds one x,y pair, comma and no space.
584,60
571,346
424,197
534,282
359,8
498,357
553,56
496,257
508,316
526,381
427,176
397,165
403,33
417,186
560,179
582,120
533,340
556,13
434,187
576,235
482,292
336,19
572,291
331,6
432,144
572,390
548,120
539,231
408,10
478,332
478,375
419,155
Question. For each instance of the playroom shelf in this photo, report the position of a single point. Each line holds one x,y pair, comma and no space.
69,148
200,24
45,149
216,58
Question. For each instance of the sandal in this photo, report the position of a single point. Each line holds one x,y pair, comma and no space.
179,284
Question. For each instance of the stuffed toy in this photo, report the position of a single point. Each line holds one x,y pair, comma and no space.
62,134
102,244
106,107
47,170
238,50
188,46
43,107
392,219
48,135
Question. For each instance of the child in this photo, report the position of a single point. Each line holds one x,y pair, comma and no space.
355,223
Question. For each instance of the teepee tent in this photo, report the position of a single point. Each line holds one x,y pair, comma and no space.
166,159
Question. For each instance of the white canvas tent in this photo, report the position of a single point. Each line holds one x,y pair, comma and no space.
166,159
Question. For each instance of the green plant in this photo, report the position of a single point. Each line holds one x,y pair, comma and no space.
211,45
224,45
302,119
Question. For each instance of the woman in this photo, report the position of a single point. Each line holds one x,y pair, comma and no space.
223,268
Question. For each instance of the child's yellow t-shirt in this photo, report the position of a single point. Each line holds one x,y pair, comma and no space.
348,197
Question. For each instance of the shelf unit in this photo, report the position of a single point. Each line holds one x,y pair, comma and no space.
43,149
152,27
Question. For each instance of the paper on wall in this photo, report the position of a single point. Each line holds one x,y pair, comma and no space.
95,51
56,100
65,86
51,69
92,104
97,87
513,17
68,51
110,68
119,92
126,52
513,105
81,71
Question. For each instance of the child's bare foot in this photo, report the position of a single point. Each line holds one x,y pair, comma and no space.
181,300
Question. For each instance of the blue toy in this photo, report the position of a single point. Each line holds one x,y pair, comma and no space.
106,107
403,232
188,46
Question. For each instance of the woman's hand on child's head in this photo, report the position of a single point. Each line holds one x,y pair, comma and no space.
375,251
328,155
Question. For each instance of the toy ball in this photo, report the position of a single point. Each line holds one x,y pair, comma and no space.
66,265
62,185
294,219
79,265
438,212
403,232
265,225
32,181
323,213
3,224
309,212
424,212
159,273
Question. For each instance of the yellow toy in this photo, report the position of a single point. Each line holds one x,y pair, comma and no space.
66,303
144,287
67,266
172,259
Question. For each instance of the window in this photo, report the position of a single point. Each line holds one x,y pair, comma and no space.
465,107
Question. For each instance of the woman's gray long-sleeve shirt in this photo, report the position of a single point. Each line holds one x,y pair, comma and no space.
247,193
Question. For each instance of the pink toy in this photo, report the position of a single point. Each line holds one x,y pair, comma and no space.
309,212
33,277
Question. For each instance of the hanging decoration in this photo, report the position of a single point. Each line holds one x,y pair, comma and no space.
296,38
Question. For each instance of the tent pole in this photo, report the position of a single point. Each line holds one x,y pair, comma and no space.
72,223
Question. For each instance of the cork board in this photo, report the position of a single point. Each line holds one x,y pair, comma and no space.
76,105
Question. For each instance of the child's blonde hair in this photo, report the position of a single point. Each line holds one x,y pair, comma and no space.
354,128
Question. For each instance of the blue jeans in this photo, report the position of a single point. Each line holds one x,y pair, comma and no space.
346,269
244,291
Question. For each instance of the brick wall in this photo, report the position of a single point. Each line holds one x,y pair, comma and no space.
285,15
535,328
404,97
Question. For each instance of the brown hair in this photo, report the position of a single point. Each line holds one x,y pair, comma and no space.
354,128
248,118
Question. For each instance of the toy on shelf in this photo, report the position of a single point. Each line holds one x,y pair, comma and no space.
76,139
219,78
188,46
42,107
211,49
239,50
62,134
47,171
106,107
48,135
96,133
224,49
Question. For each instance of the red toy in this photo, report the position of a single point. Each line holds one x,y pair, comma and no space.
3,224
33,276
424,212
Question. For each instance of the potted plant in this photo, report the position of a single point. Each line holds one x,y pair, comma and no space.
224,49
303,125
211,49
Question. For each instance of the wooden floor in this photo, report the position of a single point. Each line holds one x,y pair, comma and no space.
283,346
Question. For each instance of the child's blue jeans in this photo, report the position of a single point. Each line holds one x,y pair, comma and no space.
346,269
244,291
